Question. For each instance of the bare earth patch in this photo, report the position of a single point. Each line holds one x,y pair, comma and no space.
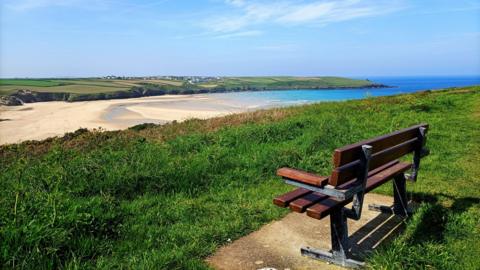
277,245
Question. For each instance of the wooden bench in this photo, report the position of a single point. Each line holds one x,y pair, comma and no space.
358,169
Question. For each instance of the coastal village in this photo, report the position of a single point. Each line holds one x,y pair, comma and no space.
189,79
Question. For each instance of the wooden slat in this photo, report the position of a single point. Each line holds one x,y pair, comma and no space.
302,176
286,198
352,152
299,200
301,204
348,171
324,207
370,174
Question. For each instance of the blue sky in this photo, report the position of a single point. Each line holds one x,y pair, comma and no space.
48,38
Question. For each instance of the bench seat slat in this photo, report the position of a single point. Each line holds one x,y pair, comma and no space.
301,204
323,208
285,199
302,176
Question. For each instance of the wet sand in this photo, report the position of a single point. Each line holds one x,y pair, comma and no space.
36,121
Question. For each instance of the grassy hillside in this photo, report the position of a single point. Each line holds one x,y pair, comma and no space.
97,89
287,82
76,86
165,197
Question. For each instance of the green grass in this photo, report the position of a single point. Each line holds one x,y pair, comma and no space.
292,82
28,82
77,86
165,197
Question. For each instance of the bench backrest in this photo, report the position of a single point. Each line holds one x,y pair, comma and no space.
346,160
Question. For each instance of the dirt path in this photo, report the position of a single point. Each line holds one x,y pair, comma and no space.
277,245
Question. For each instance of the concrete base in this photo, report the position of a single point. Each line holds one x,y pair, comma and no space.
277,245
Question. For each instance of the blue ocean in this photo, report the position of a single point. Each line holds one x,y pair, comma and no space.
399,85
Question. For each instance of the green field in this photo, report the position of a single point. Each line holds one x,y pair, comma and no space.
166,197
96,89
84,86
27,82
292,82
77,86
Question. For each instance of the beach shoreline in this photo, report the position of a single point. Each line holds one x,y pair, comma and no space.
37,121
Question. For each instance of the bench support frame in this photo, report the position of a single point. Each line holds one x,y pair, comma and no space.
419,153
400,202
357,204
340,194
340,253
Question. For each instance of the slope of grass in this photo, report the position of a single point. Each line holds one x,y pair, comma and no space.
165,197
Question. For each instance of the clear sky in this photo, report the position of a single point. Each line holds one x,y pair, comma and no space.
49,38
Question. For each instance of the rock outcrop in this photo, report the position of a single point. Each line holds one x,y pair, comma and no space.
10,101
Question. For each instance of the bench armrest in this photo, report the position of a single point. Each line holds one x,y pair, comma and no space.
302,177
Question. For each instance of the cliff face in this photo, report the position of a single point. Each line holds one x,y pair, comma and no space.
28,96
10,101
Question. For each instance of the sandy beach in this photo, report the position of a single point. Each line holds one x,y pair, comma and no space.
36,121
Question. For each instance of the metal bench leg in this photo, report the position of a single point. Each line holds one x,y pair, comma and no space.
400,202
340,244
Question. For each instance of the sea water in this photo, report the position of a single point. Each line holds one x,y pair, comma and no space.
399,85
